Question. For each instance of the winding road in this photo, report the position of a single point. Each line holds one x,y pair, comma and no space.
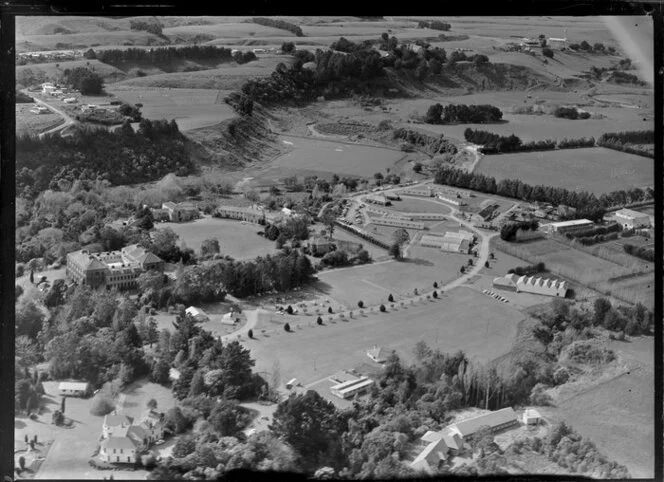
68,120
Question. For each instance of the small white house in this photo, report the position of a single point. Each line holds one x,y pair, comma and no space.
378,354
70,100
291,383
197,313
229,319
532,417
74,389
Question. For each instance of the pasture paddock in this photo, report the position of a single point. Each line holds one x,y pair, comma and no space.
457,321
30,123
574,169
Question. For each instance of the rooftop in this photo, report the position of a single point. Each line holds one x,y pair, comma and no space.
492,419
116,420
118,443
630,214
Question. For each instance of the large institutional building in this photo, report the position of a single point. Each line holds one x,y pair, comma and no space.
567,226
253,214
530,284
452,242
111,269
176,212
630,219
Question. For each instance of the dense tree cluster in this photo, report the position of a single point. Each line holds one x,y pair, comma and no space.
463,114
597,48
434,25
84,80
242,104
633,320
28,389
244,57
508,230
344,45
492,143
121,157
280,24
153,27
528,270
624,78
642,252
571,113
164,55
585,203
628,141
432,144
22,98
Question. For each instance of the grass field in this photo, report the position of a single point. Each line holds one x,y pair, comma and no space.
30,123
336,157
51,72
575,169
374,283
237,240
618,415
191,108
455,322
411,205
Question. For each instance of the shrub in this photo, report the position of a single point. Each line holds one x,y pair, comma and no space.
383,309
561,375
360,304
102,405
547,52
390,298
289,310
319,320
329,309
287,327
435,294
250,333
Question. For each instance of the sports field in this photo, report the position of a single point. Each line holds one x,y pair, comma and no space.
237,240
413,205
336,157
457,321
374,283
595,169
191,108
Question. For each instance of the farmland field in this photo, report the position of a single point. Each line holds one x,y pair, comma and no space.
461,325
237,240
191,108
574,169
335,157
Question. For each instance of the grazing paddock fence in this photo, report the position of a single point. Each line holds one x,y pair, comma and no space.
594,280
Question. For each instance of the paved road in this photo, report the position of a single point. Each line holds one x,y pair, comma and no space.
252,320
68,120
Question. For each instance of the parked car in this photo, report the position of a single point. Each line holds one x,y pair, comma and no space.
159,442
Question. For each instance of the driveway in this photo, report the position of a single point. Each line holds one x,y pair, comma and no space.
68,120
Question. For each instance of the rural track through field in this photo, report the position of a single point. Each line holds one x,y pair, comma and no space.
68,120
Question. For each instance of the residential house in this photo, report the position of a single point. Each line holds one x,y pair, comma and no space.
378,354
118,450
230,319
431,457
115,425
153,423
321,246
74,389
532,417
197,313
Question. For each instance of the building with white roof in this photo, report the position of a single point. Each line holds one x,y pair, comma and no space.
532,417
531,284
352,387
563,227
197,313
496,421
75,389
630,219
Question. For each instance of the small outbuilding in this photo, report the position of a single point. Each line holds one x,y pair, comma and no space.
74,389
532,417
378,354
197,313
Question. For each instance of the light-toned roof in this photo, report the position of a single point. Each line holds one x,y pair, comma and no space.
432,453
573,222
118,443
138,433
378,353
174,373
432,436
116,420
73,386
532,413
452,440
193,311
630,214
492,419
168,205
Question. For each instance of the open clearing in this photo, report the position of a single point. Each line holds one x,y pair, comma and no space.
623,405
374,283
237,240
411,205
455,322
336,157
191,108
574,169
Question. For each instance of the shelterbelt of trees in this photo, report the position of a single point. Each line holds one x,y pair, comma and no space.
628,142
497,144
164,54
121,157
463,114
587,205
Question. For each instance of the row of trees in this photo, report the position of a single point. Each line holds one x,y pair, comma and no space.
496,144
280,24
583,233
162,55
432,144
121,157
528,270
622,141
434,25
463,114
597,48
642,252
598,238
571,113
586,204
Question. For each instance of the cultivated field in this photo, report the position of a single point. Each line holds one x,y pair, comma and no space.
455,322
336,157
191,108
575,169
30,123
237,240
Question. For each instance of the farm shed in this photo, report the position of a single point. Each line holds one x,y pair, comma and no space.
567,226
430,458
532,417
197,313
352,387
631,219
